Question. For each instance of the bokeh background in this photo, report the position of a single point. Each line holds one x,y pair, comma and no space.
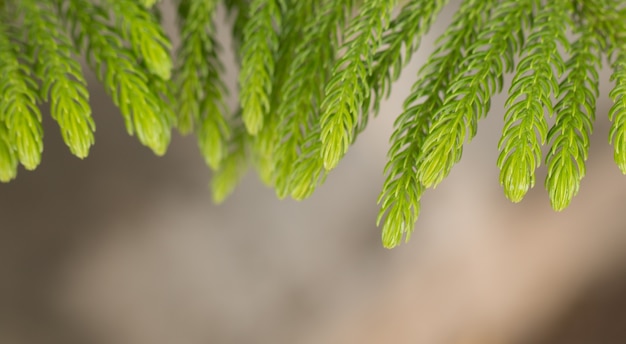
127,248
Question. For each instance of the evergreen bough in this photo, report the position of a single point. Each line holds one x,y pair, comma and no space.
311,75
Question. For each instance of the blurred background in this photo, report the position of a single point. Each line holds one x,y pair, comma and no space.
127,248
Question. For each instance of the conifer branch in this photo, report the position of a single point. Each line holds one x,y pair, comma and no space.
234,166
298,165
242,15
258,64
146,37
18,102
469,96
400,41
535,82
126,82
278,141
400,197
148,3
348,88
61,77
8,158
309,170
617,114
267,140
200,91
575,114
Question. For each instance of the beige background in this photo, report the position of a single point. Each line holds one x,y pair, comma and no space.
127,248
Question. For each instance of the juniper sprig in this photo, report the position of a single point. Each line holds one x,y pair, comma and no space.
298,111
400,197
575,114
266,141
298,162
62,80
8,158
124,78
146,37
190,76
309,170
18,105
234,166
148,3
299,87
348,88
400,41
260,42
200,91
617,114
241,10
535,82
469,96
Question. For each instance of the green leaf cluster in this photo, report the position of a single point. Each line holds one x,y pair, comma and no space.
312,73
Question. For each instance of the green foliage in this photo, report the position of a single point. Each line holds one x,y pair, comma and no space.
145,35
297,164
148,3
535,82
233,167
18,104
406,30
199,89
8,158
260,43
62,79
348,87
575,114
400,198
468,98
125,79
311,75
617,113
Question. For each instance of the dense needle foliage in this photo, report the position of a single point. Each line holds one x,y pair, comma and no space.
311,75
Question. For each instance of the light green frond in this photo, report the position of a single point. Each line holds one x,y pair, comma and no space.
18,101
213,134
267,140
148,3
62,80
348,88
535,82
469,96
575,114
147,38
264,143
234,166
299,112
402,191
309,170
257,68
241,10
611,26
124,80
399,43
617,113
200,91
8,158
193,65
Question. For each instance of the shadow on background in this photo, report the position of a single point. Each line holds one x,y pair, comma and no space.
598,315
